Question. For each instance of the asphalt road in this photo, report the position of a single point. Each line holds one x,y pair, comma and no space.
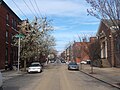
55,77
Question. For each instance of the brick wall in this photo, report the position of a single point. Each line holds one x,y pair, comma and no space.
4,10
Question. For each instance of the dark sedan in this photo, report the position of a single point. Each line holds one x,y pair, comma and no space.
73,66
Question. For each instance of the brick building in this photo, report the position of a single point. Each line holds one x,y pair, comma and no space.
110,45
8,28
63,54
69,54
80,51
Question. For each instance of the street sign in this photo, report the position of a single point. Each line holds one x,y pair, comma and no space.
19,35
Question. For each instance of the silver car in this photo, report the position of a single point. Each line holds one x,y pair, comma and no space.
73,66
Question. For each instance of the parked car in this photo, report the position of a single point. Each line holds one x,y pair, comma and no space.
88,61
35,67
1,82
73,66
83,62
63,61
52,61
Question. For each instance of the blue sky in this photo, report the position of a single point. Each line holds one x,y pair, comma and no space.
70,18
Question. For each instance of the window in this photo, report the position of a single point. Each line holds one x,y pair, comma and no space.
117,45
15,24
12,41
7,19
103,49
118,48
6,56
6,36
12,22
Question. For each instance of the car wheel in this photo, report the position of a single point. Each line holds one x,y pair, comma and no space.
41,71
28,72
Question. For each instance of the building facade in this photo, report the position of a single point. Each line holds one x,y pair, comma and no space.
8,28
110,45
80,51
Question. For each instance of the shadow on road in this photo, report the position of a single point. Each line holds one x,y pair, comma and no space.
11,88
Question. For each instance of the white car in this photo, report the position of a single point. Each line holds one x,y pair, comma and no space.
35,67
1,82
83,62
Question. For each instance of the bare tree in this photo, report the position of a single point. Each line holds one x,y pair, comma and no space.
106,10
92,49
94,54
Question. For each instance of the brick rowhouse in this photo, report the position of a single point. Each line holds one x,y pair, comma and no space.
8,28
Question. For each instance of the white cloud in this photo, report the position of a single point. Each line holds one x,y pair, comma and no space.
60,28
90,23
51,7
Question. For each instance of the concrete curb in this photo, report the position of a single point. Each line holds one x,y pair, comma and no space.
113,85
2,70
9,76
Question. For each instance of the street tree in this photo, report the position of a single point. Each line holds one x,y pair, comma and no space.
106,10
91,49
46,44
94,54
33,41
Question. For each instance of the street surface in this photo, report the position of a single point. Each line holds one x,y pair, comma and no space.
55,77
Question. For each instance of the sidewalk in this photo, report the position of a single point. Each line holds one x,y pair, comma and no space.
110,76
10,74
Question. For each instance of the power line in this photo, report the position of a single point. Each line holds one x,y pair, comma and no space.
34,8
38,8
29,7
19,8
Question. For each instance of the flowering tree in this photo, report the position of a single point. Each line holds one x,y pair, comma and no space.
37,38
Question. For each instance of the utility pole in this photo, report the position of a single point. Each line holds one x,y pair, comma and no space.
19,54
19,36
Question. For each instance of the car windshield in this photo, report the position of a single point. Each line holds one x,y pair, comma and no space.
73,63
34,65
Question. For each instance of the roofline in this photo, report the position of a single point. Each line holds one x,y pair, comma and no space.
6,6
102,21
